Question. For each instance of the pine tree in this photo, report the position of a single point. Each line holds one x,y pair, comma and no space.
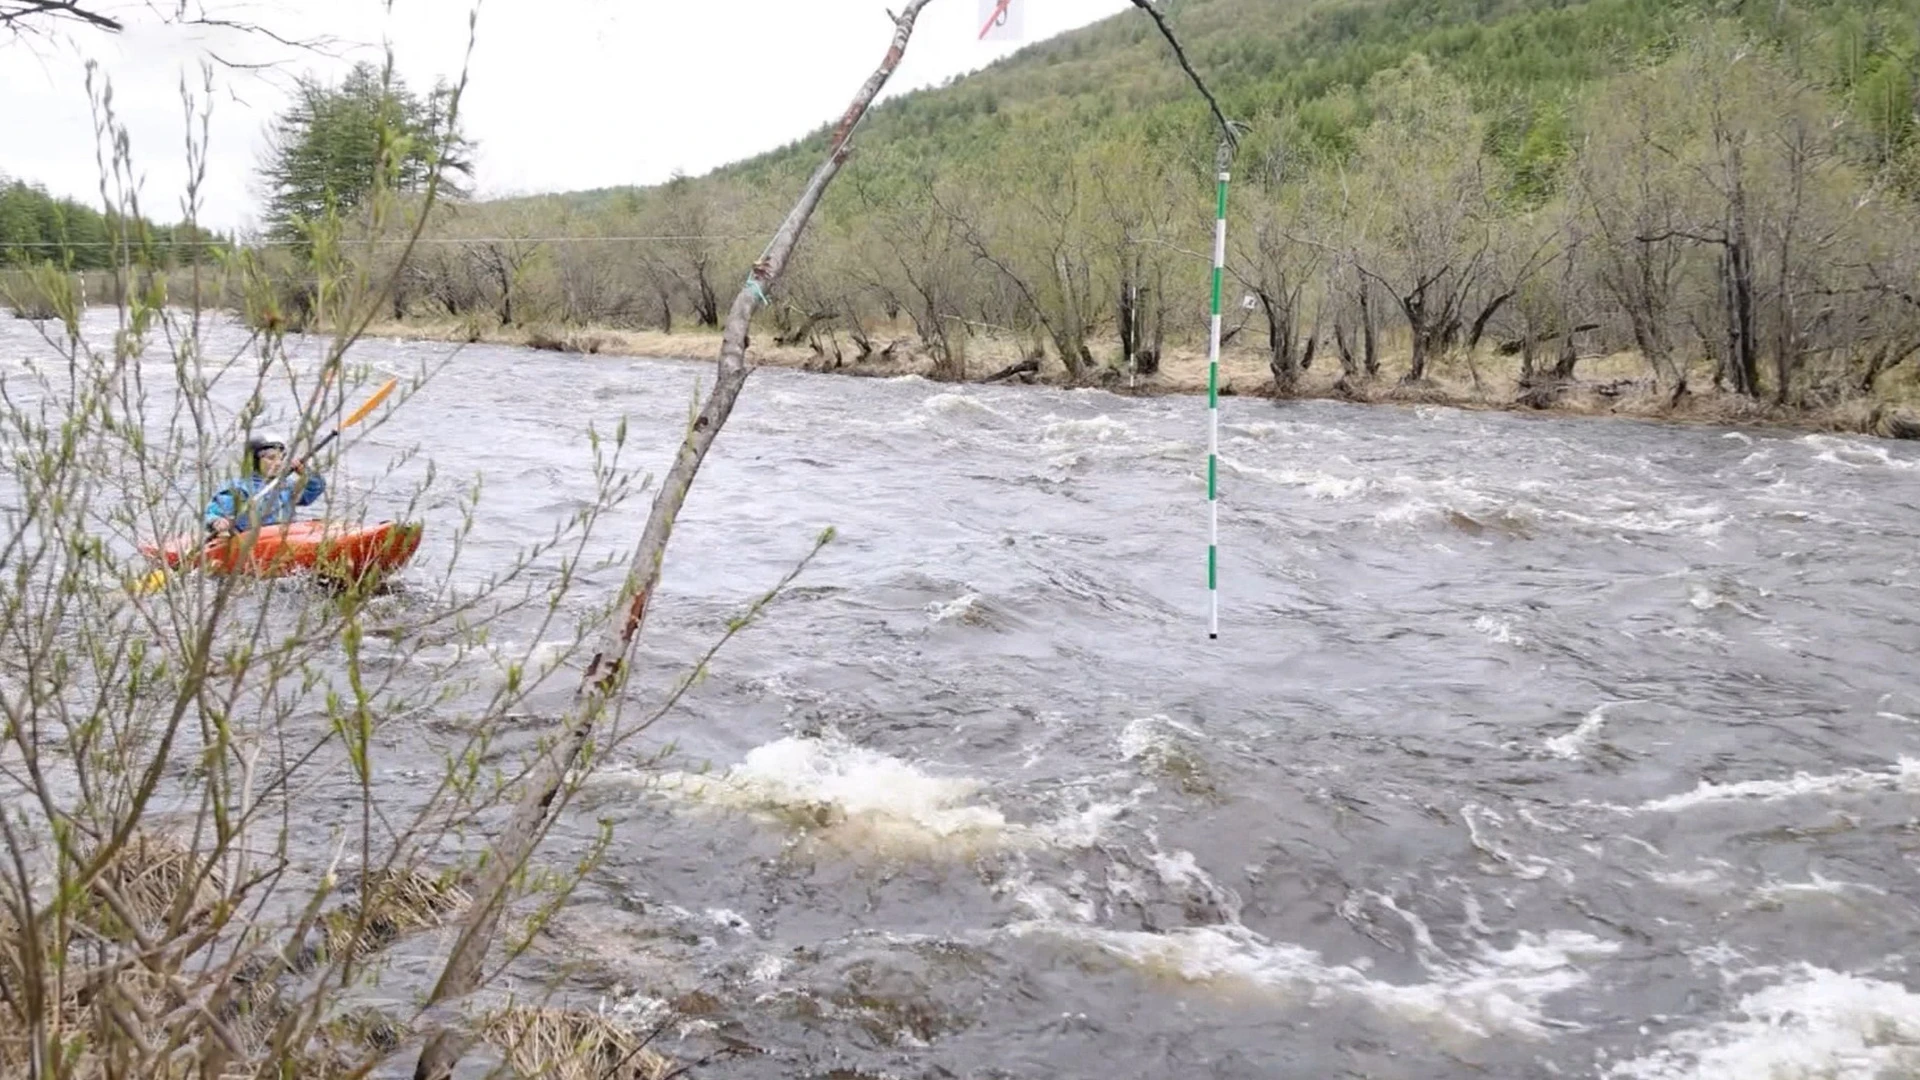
331,148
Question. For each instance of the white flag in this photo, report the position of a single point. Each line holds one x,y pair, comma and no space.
1000,20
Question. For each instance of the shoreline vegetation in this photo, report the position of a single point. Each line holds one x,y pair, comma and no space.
1614,385
1490,378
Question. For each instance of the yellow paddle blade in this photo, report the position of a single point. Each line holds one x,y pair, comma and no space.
151,583
379,396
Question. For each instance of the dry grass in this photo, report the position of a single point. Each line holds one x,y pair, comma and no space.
569,1044
104,996
403,902
156,890
154,880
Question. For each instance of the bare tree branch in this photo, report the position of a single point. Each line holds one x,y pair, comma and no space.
1227,128
14,14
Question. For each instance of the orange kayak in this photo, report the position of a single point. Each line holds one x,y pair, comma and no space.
335,549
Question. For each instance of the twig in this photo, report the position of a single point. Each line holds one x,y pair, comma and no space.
14,13
1227,127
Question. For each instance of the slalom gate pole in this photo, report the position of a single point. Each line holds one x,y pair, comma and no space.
1223,164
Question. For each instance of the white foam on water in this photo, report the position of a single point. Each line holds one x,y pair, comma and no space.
636,1009
1706,597
1854,454
1635,516
1904,776
1065,463
1428,952
1180,868
875,803
1173,448
1151,736
728,919
1337,488
866,797
1574,743
1099,429
1501,992
1498,630
1085,827
965,608
951,403
1691,880
1049,903
1815,1024
1526,867
1406,513
1816,885
1318,485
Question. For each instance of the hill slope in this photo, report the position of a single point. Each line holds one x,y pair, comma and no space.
1526,62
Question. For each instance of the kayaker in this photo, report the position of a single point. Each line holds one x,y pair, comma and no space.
232,508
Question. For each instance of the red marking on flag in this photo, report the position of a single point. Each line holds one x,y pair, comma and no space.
999,17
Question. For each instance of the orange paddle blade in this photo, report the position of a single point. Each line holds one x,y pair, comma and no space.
379,396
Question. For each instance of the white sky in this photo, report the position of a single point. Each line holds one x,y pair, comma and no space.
562,94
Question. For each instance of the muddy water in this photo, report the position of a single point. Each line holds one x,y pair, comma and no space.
1530,747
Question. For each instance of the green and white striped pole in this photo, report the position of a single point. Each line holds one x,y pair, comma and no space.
1213,400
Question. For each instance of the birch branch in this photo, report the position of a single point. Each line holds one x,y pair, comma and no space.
1229,130
606,672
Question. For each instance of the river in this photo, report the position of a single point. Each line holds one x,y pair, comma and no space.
1530,746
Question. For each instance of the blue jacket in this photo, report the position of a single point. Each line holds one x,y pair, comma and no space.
234,501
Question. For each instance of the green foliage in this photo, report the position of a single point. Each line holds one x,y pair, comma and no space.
336,144
1526,61
36,228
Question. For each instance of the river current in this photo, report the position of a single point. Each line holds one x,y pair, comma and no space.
1530,746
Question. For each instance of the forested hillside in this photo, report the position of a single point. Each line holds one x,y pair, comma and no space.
1723,188
37,228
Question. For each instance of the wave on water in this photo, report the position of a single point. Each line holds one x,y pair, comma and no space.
1815,1024
861,799
1097,429
1855,454
1500,992
1573,743
1904,776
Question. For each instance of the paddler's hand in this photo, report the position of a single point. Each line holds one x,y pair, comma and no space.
221,528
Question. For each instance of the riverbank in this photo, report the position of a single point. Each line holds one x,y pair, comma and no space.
1612,385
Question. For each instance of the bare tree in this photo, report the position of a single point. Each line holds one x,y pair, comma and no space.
692,249
1769,198
1422,168
1141,198
1630,194
1039,243
1281,259
917,262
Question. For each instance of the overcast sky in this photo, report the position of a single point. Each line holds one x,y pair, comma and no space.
562,94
